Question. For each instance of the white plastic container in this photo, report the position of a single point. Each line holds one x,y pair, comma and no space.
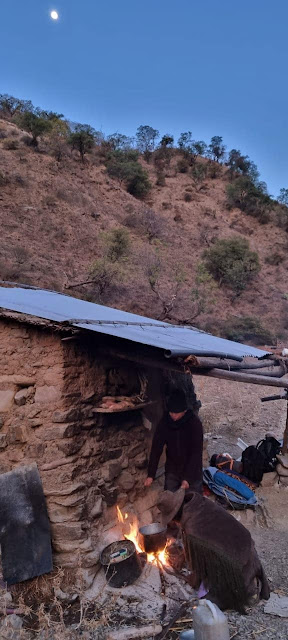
187,635
209,622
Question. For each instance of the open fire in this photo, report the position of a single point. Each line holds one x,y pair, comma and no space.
130,529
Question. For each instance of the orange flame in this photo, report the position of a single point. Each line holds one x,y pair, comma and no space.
161,557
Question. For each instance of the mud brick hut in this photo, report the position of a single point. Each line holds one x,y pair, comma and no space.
63,363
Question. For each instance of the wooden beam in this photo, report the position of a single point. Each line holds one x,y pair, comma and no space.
170,365
228,365
244,377
285,437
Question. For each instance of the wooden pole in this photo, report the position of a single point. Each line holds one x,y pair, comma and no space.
243,377
169,365
285,437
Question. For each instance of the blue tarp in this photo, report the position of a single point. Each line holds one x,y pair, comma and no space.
172,340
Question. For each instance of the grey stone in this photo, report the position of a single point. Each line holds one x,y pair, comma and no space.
109,495
138,448
269,479
6,400
97,509
61,431
110,454
47,394
16,434
3,441
67,491
34,424
111,471
21,397
90,559
68,531
35,451
141,461
69,447
1,422
70,415
14,621
126,482
277,605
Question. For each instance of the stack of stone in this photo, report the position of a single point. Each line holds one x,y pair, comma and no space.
282,469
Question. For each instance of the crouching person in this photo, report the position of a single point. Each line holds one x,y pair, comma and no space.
219,551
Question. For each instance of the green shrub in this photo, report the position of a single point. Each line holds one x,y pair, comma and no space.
104,274
232,263
250,198
282,216
274,259
160,182
248,328
139,184
10,145
183,165
188,197
199,172
34,124
82,139
118,241
124,166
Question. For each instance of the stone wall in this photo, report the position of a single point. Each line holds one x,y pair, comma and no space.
88,461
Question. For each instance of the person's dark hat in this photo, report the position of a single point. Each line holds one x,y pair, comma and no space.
169,504
177,402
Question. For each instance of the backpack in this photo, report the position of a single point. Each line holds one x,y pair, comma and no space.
253,461
270,448
225,462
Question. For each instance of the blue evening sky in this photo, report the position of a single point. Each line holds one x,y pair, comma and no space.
212,67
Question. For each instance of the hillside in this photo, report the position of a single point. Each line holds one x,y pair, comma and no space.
56,218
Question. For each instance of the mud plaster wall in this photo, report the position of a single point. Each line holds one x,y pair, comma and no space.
88,462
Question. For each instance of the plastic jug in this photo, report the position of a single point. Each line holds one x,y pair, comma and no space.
209,622
187,635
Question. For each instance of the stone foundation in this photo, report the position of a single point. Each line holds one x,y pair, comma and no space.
88,461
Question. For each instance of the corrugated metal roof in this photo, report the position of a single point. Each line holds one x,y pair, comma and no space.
172,340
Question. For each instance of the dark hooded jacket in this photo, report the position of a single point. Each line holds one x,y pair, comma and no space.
222,552
184,446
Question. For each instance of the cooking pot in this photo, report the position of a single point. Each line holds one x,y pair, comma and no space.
121,563
153,537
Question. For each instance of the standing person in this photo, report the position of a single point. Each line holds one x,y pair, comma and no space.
182,433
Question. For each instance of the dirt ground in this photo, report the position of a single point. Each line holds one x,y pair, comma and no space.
231,410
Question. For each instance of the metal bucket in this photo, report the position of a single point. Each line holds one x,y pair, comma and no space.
121,563
153,537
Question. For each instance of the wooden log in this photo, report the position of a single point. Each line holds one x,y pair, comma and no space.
170,365
133,633
285,437
228,365
244,377
275,372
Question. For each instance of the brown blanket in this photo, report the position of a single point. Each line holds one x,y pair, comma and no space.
222,553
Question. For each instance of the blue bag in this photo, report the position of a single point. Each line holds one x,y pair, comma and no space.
232,490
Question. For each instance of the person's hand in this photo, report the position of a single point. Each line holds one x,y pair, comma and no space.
185,484
148,482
